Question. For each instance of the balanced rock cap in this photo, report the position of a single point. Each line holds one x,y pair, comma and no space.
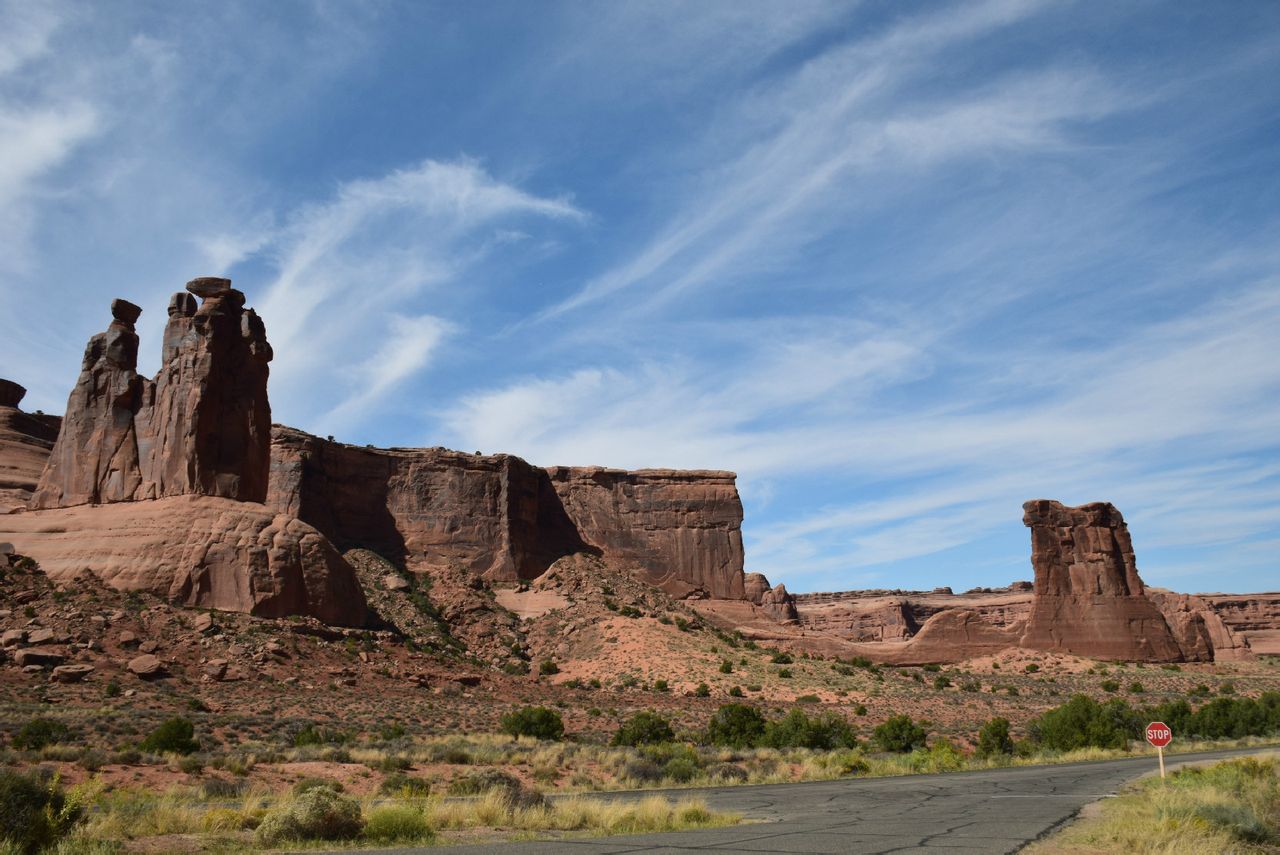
11,394
125,312
209,286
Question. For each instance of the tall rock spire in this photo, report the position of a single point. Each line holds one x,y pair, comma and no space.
202,427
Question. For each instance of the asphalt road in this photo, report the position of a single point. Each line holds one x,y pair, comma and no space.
1000,810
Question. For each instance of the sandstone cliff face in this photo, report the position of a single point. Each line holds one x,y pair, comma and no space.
889,616
25,442
1089,599
504,519
200,429
1199,630
681,528
494,515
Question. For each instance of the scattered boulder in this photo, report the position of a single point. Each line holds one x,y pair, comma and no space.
395,582
72,673
215,669
13,637
146,666
203,623
40,636
43,657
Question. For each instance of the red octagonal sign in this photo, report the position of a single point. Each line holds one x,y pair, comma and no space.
1159,734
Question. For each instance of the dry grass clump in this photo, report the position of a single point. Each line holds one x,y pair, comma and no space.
1229,807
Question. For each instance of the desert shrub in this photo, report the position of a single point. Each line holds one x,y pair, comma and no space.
1031,668
808,699
727,772
1110,685
39,732
941,681
538,722
781,659
513,793
1082,722
735,692
1136,688
642,771
222,788
661,686
317,814
392,823
405,786
823,732
644,728
306,785
942,756
33,814
784,673
547,667
172,737
900,734
316,735
726,667
391,763
682,770
702,691
736,725
994,739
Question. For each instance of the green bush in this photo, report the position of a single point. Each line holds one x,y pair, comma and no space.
315,735
726,667
682,770
394,823
312,783
702,691
39,732
538,722
823,732
900,734
1082,722
172,737
644,728
317,814
994,739
514,793
548,667
781,659
33,814
736,725
942,756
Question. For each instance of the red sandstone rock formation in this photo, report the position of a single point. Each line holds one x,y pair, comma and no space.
1089,599
25,442
506,520
1200,631
494,515
199,551
681,528
775,601
201,427
887,616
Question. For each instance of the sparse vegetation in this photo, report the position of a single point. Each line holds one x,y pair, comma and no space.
537,722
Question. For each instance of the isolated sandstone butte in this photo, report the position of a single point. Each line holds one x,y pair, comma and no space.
507,520
1088,598
202,426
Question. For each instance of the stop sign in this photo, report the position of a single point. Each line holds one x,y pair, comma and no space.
1159,734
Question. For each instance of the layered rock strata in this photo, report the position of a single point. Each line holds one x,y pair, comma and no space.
25,442
1089,599
681,528
507,520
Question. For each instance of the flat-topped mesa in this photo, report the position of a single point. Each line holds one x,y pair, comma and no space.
202,426
1088,598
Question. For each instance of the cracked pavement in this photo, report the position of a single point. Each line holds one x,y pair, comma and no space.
993,811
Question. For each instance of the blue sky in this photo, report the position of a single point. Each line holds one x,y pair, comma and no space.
901,266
